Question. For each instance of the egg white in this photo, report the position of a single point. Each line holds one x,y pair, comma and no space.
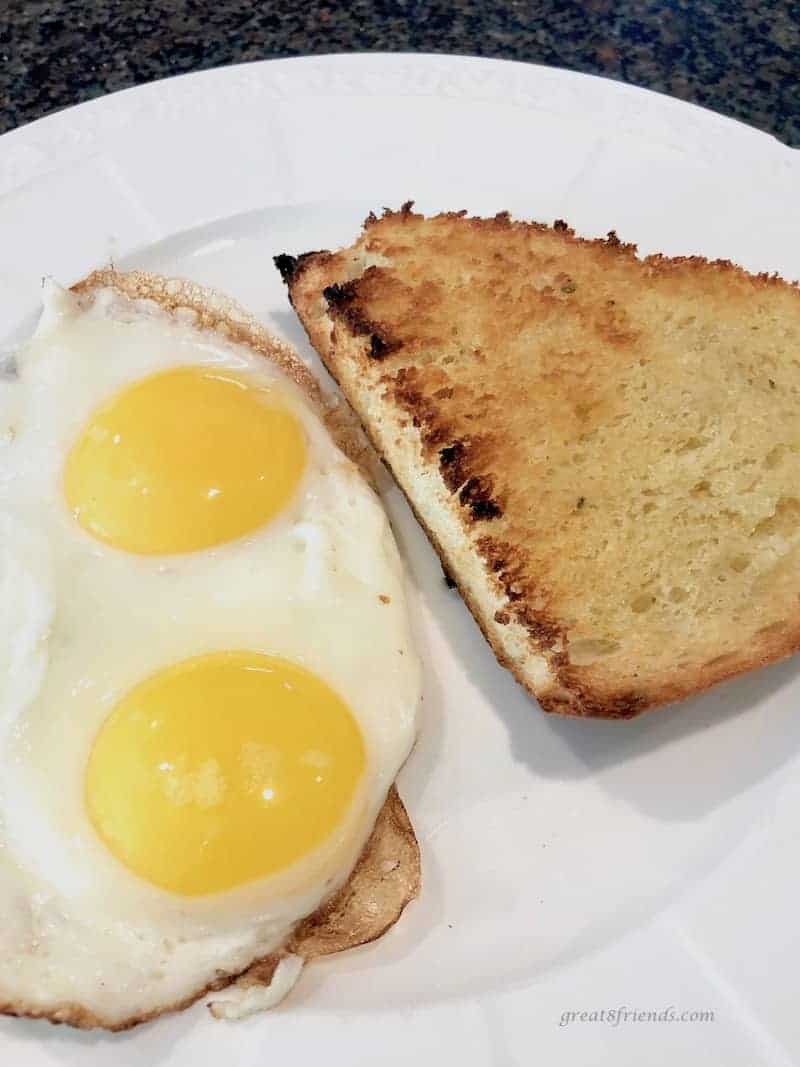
82,623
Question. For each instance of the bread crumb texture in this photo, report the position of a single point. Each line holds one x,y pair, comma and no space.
620,436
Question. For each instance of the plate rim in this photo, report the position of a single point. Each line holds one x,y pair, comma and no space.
514,79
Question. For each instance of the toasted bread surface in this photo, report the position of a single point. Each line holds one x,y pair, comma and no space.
387,875
604,450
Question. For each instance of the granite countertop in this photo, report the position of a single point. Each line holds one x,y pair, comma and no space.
739,58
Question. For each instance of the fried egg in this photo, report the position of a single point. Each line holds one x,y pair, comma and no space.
208,682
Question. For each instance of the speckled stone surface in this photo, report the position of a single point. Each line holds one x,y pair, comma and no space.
742,59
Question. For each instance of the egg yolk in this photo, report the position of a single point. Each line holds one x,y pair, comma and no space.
222,769
183,460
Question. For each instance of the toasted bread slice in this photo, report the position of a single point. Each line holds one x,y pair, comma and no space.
604,450
387,875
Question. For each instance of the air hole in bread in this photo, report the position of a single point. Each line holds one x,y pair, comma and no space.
691,444
642,603
720,661
774,457
783,521
586,650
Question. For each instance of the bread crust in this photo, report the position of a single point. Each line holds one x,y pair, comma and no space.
387,875
375,327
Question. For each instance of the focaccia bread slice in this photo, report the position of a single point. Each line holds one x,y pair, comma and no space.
603,449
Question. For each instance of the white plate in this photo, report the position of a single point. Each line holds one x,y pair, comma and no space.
569,866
